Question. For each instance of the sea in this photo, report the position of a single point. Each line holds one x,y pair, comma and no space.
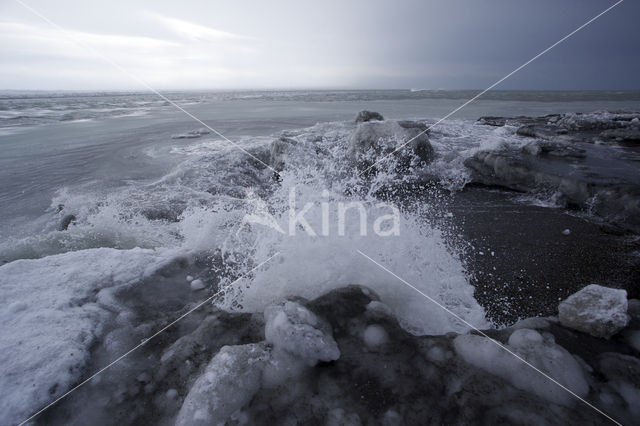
56,144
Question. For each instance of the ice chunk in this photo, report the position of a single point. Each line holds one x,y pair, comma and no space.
533,322
379,307
340,417
375,336
536,350
365,115
525,337
191,134
388,137
197,285
294,329
566,232
391,418
228,383
599,311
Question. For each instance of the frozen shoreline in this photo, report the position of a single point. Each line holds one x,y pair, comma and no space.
361,367
101,294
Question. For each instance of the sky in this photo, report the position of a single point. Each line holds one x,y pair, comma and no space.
346,44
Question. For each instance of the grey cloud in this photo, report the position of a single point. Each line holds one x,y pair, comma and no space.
373,44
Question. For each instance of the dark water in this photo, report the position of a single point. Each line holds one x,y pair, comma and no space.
50,140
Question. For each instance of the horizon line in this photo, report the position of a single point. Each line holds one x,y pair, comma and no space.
295,89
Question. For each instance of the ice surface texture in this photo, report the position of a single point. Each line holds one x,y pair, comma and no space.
294,337
384,375
599,311
531,346
227,384
52,310
575,158
294,329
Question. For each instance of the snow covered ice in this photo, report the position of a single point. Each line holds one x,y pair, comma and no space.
50,325
597,310
196,285
295,339
374,336
294,329
531,346
227,384
400,374
320,335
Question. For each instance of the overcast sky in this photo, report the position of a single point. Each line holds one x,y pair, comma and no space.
445,44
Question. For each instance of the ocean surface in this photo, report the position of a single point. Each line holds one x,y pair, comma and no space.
148,187
134,171
62,143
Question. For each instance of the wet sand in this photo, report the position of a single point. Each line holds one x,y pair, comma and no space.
522,264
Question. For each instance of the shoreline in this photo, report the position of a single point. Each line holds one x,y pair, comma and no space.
344,343
535,265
